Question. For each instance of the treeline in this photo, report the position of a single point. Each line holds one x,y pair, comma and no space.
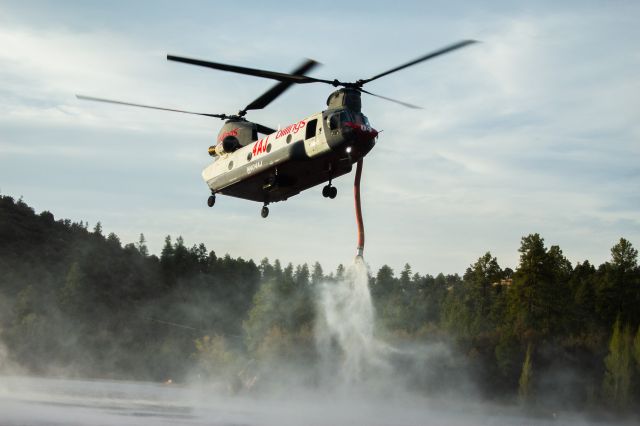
74,301
546,332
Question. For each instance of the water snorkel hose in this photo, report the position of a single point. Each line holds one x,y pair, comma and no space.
356,196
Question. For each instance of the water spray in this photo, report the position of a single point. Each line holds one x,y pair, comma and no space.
359,222
346,315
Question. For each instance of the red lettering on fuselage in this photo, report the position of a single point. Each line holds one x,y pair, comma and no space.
291,128
233,132
260,146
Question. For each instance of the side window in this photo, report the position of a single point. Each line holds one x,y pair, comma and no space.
311,129
334,122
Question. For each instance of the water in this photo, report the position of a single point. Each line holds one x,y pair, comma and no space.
40,402
346,318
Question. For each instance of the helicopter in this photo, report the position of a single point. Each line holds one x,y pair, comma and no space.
308,152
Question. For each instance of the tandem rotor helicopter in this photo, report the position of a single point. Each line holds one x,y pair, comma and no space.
306,153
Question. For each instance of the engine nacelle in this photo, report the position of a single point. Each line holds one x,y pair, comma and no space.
230,144
227,146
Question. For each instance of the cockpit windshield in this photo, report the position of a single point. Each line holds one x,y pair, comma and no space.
345,117
337,120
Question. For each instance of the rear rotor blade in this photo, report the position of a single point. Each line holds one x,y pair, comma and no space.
264,129
280,76
391,100
110,101
428,56
279,88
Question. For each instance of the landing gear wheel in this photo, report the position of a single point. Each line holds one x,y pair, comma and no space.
333,191
264,212
211,200
329,191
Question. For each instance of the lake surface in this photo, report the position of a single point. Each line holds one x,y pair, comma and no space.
39,401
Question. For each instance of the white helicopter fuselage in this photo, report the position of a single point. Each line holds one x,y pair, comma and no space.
303,154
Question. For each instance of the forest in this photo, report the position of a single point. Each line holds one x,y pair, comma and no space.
77,303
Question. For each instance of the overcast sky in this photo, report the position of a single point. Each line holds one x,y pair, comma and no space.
536,129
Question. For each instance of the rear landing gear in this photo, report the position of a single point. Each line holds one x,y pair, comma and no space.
329,191
211,200
265,211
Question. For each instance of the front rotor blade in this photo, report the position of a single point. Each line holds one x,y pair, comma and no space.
391,100
428,56
110,101
277,90
274,75
264,129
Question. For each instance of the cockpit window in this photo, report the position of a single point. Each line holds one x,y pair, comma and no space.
337,119
334,122
345,117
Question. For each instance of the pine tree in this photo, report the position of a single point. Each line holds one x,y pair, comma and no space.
301,276
167,250
113,239
540,292
526,302
277,270
617,379
479,279
71,296
405,277
97,229
619,287
624,256
340,272
318,275
524,383
142,246
288,274
636,349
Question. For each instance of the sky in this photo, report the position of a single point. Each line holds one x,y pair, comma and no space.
535,129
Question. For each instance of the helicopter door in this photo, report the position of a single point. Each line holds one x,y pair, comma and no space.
311,129
311,143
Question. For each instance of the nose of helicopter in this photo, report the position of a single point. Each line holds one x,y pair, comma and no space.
361,132
360,139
